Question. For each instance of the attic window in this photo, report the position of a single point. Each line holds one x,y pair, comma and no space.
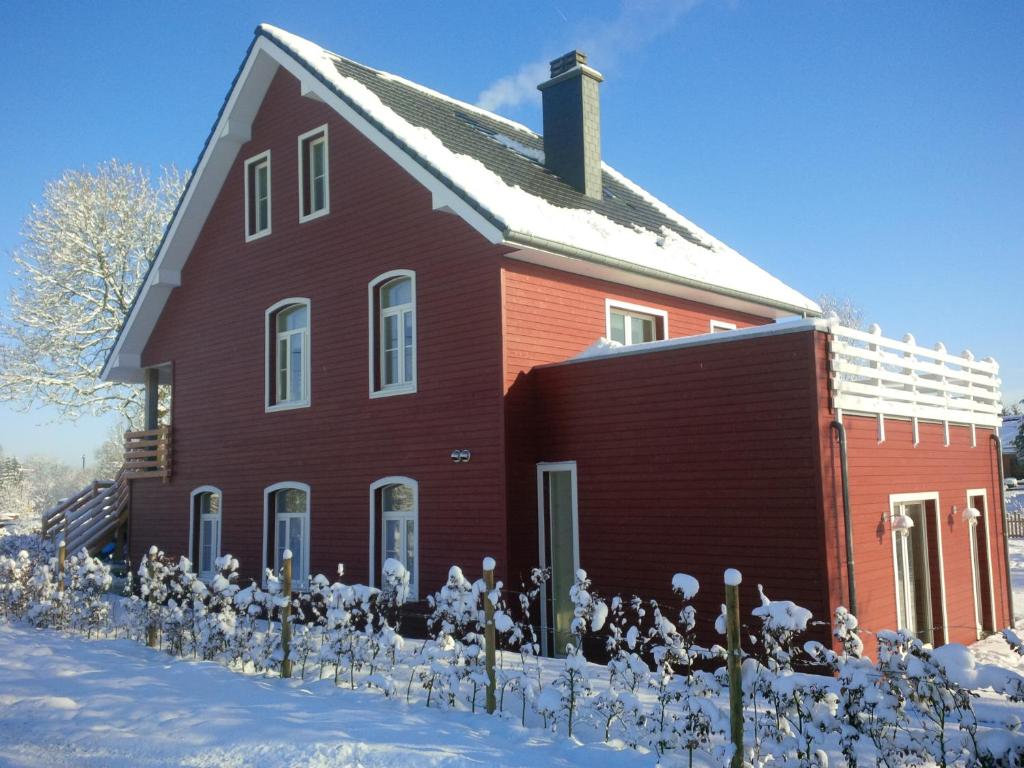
257,196
313,174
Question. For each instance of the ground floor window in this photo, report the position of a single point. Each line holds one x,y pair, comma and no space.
395,518
287,510
204,527
558,539
976,516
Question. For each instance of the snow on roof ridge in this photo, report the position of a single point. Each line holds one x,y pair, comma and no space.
523,213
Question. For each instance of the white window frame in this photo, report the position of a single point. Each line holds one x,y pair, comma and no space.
910,498
270,376
634,309
971,539
555,466
255,159
717,326
375,327
302,174
195,546
299,580
377,485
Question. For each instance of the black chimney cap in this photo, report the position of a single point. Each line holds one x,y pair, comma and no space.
566,62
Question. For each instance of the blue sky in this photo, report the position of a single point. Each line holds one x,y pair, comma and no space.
869,149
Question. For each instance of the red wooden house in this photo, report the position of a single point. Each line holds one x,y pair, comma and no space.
371,305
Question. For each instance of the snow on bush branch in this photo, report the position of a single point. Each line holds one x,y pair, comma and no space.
660,691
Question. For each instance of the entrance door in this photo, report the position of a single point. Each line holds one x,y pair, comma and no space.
981,566
913,580
558,536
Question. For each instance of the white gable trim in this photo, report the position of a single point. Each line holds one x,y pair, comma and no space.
233,128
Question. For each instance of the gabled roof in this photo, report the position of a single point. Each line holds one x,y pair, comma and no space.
481,166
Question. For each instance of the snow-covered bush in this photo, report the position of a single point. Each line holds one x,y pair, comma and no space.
88,579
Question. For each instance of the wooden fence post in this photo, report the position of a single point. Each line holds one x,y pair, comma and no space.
489,633
62,553
286,613
151,629
734,663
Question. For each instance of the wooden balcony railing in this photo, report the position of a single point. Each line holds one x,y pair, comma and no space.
875,375
148,453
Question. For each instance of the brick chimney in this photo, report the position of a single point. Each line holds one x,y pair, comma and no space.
572,123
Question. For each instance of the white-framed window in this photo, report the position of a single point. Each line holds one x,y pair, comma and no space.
392,306
719,326
204,530
288,354
257,196
286,526
634,324
314,191
394,517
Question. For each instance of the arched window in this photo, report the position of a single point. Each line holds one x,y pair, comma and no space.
204,530
394,518
288,354
393,333
286,526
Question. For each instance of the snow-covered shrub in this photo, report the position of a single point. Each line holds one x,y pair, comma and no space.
214,614
456,629
87,580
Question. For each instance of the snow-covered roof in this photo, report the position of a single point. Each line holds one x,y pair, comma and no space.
477,164
497,165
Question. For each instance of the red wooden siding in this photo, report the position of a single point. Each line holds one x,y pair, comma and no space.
692,459
212,330
550,316
896,466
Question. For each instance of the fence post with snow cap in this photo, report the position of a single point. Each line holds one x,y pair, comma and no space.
489,634
286,613
62,554
734,663
152,629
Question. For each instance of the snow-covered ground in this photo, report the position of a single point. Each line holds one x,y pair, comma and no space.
65,700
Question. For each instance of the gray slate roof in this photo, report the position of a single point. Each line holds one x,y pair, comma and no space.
470,132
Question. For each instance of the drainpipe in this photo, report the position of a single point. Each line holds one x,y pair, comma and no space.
845,470
1006,542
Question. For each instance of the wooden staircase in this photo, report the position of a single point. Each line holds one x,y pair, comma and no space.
90,518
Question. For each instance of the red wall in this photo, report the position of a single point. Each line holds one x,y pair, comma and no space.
692,459
897,466
213,331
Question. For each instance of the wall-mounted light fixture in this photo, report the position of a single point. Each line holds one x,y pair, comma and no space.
461,455
902,524
971,515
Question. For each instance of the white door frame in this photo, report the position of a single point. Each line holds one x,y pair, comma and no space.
554,466
971,539
909,498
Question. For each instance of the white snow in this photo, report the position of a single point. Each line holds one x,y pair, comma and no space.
685,585
117,704
537,155
711,263
286,555
489,564
733,578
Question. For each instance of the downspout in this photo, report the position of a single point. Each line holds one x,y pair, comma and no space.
848,521
1006,541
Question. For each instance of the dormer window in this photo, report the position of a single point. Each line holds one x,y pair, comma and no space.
633,324
313,174
257,196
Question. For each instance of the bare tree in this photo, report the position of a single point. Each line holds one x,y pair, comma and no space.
85,252
848,312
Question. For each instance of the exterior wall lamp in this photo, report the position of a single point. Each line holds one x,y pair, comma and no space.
461,455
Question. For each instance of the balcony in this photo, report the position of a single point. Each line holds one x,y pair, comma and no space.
148,453
876,376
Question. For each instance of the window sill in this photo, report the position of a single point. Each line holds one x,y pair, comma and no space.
312,216
258,235
405,389
286,406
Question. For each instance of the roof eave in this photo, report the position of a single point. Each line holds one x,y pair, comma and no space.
527,241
